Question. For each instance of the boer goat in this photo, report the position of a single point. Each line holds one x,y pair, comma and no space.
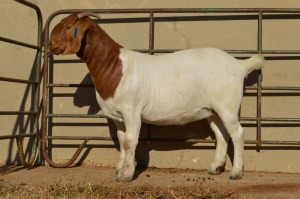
170,89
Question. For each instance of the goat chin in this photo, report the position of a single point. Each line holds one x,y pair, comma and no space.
168,89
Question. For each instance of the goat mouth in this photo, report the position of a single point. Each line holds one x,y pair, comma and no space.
55,50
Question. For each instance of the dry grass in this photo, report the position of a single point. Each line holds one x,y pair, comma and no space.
86,190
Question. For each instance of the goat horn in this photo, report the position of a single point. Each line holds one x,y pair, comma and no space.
86,14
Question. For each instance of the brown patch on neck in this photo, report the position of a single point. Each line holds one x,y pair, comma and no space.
101,54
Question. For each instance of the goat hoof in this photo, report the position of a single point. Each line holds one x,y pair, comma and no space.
217,171
124,179
235,177
124,176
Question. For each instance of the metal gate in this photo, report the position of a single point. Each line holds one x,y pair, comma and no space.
201,14
32,83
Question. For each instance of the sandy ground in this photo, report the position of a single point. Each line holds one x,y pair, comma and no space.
252,185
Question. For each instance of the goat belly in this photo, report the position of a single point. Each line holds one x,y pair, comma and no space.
176,117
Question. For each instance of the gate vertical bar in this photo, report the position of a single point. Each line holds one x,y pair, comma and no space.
45,91
37,76
259,83
151,34
151,48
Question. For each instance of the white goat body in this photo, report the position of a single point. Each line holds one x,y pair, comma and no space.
178,88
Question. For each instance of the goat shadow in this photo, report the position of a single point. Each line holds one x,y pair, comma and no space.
23,124
195,130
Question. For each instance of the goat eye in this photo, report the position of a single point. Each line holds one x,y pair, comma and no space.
68,27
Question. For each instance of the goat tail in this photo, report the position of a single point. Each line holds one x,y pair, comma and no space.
255,62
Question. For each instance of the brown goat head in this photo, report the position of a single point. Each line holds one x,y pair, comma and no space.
66,36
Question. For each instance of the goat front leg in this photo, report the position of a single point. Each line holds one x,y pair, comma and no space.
130,141
121,136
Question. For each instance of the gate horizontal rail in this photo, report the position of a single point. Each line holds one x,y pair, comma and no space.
19,113
211,14
280,88
194,141
24,81
18,136
20,43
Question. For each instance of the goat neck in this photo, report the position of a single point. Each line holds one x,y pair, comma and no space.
101,54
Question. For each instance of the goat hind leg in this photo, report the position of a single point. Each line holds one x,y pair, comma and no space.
235,131
222,136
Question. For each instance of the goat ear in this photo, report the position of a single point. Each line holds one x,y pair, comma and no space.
75,36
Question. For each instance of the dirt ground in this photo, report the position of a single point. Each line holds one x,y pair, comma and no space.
252,185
